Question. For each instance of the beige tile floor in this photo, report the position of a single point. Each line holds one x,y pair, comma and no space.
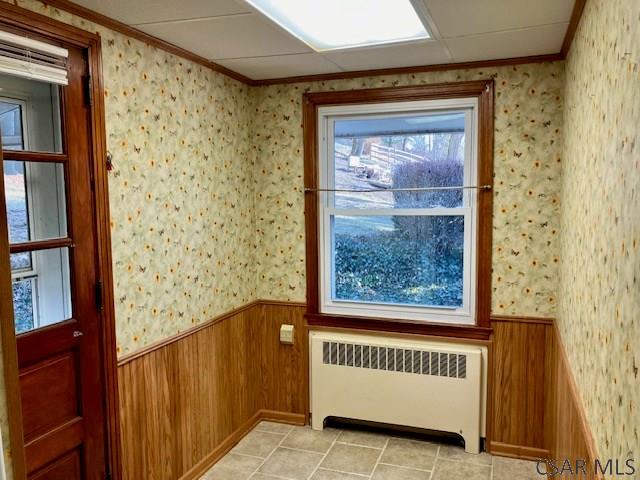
275,451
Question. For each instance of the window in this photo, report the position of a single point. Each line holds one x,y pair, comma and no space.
35,200
398,204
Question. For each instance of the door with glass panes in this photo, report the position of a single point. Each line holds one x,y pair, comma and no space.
51,223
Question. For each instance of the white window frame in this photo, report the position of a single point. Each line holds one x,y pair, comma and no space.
34,274
465,314
27,274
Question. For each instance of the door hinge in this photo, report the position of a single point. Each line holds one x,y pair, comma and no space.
88,91
99,296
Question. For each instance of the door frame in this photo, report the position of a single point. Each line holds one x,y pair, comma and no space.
12,16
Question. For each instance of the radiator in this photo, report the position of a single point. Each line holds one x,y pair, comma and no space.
430,385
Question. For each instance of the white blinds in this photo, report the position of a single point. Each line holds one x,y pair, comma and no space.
25,57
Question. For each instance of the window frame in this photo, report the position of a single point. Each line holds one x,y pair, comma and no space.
327,116
480,92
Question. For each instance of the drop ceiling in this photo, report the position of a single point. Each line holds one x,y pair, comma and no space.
233,34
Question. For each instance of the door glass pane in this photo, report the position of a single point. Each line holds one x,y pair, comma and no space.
35,197
400,259
400,151
29,115
42,293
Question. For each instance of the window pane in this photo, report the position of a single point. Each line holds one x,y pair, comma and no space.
42,296
11,125
35,197
23,305
408,151
29,115
411,260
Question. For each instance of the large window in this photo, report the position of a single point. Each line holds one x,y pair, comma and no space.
389,250
397,205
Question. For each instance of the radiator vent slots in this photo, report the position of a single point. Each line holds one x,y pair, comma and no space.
392,359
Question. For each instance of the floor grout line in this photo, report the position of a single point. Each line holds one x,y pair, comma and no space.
270,454
435,461
324,456
386,443
325,469
359,445
407,467
336,441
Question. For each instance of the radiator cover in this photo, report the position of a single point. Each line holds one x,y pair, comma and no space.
431,385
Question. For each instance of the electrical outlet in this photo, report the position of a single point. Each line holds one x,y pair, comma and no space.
286,334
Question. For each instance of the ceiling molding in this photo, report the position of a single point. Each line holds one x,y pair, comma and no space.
132,32
120,27
576,15
404,70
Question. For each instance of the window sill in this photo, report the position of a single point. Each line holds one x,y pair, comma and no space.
415,327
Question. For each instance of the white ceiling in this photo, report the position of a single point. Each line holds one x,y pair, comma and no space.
235,35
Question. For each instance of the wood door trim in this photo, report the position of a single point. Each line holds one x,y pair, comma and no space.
15,17
36,245
27,156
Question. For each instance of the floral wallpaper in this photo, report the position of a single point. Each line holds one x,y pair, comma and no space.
181,192
600,227
528,143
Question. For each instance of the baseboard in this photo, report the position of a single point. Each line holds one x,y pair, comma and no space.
228,443
517,451
283,417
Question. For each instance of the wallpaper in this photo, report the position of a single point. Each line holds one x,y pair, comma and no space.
180,193
528,133
600,229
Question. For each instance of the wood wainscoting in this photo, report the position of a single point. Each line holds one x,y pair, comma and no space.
535,408
186,401
570,438
518,418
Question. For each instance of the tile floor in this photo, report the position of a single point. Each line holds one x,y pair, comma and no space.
275,451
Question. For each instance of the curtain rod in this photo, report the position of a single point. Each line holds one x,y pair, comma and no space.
416,189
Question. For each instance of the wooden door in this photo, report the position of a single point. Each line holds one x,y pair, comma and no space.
46,148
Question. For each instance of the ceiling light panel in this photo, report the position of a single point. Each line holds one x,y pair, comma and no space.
338,24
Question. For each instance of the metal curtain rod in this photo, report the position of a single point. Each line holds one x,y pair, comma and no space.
415,189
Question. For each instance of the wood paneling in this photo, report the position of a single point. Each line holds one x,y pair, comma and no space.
535,410
185,403
517,416
569,434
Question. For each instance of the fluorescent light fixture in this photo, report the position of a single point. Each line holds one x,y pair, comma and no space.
337,24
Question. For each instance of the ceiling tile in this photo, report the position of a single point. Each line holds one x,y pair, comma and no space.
390,56
281,66
467,17
514,43
238,36
134,12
